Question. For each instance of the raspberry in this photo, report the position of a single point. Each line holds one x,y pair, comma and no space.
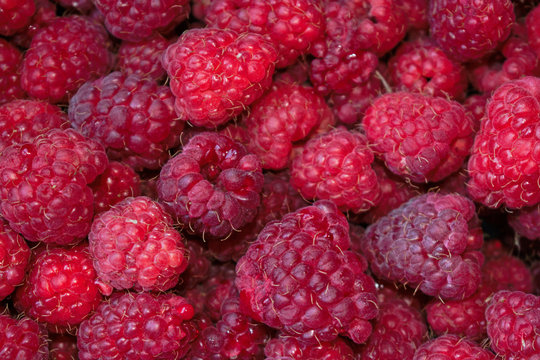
452,347
134,245
469,29
63,347
503,166
291,25
14,256
476,106
337,166
535,272
291,348
526,222
198,267
216,73
454,184
431,242
45,13
10,58
132,117
299,277
15,15
513,324
213,186
22,339
64,55
82,6
415,12
23,120
137,326
139,20
420,137
60,289
43,186
506,272
532,22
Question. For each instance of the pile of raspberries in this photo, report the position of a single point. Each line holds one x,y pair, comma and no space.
270,179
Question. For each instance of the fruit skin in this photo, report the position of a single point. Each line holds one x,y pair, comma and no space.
526,222
213,186
10,74
15,15
336,166
44,188
430,243
419,137
14,257
503,166
22,338
452,347
513,324
532,22
299,277
291,348
131,116
206,96
45,12
469,29
60,289
134,245
159,328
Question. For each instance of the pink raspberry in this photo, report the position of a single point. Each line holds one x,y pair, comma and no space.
44,188
156,327
60,289
452,347
215,74
14,257
430,243
513,324
469,29
10,73
337,166
62,347
64,55
419,137
131,116
15,15
134,245
503,166
292,348
532,22
299,277
526,222
22,338
45,13
139,20
213,186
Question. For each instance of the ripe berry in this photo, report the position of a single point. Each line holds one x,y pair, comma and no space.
14,257
22,338
452,347
292,348
10,73
15,15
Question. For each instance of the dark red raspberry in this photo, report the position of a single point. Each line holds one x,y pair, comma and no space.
131,116
140,20
535,272
526,222
44,188
415,12
82,6
422,66
476,106
10,74
455,183
532,22
134,245
291,25
198,266
22,339
14,257
143,58
430,243
452,347
60,289
507,272
15,15
468,29
64,55
215,73
291,348
199,8
23,120
419,137
213,186
337,166
503,167
137,326
62,347
513,324
45,13
300,278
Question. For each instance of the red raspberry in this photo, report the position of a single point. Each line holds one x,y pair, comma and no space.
44,188
213,187
45,13
526,222
64,55
134,245
454,184
507,272
431,242
452,347
14,257
415,12
82,6
513,324
291,348
532,22
422,66
291,25
503,167
476,106
137,326
198,266
10,58
139,20
420,137
535,272
216,73
15,15
63,347
469,29
337,166
23,120
300,278
22,338
132,117
60,289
